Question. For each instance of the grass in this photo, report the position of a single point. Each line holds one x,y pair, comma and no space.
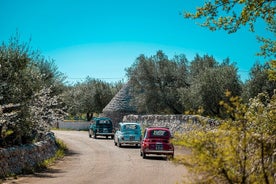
62,148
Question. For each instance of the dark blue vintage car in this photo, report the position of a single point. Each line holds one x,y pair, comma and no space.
101,127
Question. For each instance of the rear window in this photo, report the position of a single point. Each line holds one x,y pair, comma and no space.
130,127
159,133
104,123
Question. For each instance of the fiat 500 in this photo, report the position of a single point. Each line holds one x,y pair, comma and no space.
101,127
156,141
128,133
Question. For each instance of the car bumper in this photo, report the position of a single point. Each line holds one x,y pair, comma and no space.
104,134
159,152
130,142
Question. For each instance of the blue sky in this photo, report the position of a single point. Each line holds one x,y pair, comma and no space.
100,38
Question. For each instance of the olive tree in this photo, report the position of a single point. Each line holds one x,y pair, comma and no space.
155,80
259,82
21,78
89,97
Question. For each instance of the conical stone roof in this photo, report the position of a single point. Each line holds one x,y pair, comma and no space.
121,101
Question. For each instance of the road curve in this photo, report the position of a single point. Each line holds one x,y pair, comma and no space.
98,161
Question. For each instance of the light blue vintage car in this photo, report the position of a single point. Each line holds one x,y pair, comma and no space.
128,133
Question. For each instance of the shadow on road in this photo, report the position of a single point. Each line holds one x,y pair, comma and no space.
129,147
49,171
156,157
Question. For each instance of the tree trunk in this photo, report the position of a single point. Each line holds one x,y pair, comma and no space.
89,116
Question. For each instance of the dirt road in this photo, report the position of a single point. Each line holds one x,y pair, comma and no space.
98,161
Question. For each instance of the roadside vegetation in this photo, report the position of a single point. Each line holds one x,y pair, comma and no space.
34,96
60,153
242,148
239,150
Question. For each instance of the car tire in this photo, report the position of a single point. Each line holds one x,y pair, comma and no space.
90,135
115,143
144,155
170,156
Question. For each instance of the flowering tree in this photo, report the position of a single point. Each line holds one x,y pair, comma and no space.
45,111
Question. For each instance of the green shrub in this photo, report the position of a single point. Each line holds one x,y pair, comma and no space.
241,149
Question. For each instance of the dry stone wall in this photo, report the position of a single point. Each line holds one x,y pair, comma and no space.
176,123
14,160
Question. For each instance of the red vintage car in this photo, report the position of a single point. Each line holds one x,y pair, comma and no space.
156,141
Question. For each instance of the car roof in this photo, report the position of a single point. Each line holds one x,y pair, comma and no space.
101,118
129,123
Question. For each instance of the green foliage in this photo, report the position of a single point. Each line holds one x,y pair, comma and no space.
272,71
230,15
155,80
174,86
89,97
260,81
209,85
241,149
24,74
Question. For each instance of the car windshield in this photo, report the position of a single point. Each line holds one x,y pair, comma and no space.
159,133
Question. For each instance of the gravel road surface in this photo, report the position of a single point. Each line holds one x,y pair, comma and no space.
98,161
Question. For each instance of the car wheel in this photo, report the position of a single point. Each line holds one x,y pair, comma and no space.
90,135
115,143
144,155
170,156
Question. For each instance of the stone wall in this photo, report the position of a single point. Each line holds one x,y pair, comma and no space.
81,125
14,160
176,123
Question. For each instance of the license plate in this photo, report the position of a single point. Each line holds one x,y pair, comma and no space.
159,147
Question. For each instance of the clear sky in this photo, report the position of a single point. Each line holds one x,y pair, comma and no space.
100,38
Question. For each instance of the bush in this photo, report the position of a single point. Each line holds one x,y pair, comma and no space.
242,149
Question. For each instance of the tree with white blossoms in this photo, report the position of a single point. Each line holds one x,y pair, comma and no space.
45,111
